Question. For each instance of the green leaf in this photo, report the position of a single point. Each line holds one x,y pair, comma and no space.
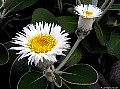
42,14
32,80
13,58
68,23
16,5
102,34
58,80
18,69
113,46
89,44
73,86
71,10
4,55
80,74
12,53
75,57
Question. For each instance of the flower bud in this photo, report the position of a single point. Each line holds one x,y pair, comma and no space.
87,15
85,23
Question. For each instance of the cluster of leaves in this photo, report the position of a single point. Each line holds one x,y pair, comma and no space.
103,39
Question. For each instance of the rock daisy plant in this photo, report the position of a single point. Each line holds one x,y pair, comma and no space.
42,42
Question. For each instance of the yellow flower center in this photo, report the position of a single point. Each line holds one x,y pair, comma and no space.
42,43
88,13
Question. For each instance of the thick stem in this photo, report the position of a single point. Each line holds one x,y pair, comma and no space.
69,54
49,74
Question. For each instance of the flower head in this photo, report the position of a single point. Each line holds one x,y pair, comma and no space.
41,42
88,11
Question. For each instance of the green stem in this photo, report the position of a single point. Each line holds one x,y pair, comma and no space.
109,5
69,54
60,6
78,2
104,4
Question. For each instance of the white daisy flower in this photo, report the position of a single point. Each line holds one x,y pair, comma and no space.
88,11
41,42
